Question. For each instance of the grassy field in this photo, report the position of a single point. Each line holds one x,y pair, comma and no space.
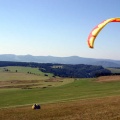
107,108
79,89
21,87
60,98
28,78
21,74
114,70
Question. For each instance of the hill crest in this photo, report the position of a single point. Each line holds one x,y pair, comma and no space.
61,60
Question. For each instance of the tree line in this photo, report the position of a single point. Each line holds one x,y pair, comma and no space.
64,70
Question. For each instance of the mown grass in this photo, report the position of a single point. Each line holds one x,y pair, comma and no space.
21,79
79,89
15,88
89,109
22,74
25,70
67,99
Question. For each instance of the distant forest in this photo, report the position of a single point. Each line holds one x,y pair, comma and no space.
64,70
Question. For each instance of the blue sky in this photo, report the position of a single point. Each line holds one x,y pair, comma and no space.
58,28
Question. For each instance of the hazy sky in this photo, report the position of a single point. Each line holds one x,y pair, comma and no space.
58,28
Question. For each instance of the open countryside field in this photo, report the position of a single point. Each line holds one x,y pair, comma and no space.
114,70
107,108
27,77
109,78
60,99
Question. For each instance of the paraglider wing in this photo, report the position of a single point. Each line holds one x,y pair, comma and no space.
93,34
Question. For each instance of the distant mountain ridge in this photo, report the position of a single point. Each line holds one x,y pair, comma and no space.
62,60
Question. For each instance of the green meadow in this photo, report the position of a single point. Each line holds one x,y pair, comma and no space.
15,91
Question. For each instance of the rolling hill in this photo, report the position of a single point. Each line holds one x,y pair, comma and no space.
61,60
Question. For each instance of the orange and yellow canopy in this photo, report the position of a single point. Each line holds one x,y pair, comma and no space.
93,34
